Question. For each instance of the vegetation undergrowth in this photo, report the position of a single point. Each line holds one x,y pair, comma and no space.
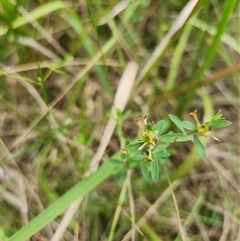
152,146
74,77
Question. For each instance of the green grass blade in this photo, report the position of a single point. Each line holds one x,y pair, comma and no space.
210,53
39,12
79,190
183,18
226,38
76,23
150,232
228,8
177,57
102,71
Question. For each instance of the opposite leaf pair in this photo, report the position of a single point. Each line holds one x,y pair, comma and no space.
152,144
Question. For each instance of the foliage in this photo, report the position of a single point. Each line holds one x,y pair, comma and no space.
62,66
150,145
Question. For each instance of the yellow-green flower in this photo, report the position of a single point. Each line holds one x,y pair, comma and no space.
204,128
148,137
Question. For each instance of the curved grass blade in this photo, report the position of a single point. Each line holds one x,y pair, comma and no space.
59,206
41,11
180,22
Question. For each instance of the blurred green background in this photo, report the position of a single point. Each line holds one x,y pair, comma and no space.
61,62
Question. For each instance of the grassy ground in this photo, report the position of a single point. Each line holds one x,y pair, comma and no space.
64,65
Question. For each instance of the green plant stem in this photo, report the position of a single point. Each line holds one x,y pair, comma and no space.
119,207
175,204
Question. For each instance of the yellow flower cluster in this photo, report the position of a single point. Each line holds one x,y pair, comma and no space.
202,128
148,137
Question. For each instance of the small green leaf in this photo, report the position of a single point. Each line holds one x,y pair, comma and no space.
161,148
119,166
127,142
200,147
174,137
220,124
218,116
123,156
131,148
150,127
188,125
63,62
162,161
160,155
125,115
145,172
138,156
160,126
154,170
177,122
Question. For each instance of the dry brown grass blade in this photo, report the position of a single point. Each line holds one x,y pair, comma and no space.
179,23
131,206
77,77
43,32
17,197
181,231
32,43
225,173
52,63
206,81
121,98
51,119
152,210
118,8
